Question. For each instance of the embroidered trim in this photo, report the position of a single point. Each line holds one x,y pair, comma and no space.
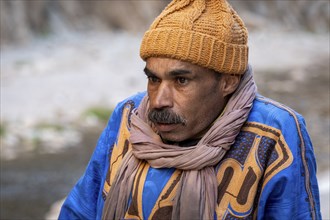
303,151
258,154
164,204
120,147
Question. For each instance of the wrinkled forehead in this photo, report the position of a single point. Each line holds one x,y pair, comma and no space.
163,64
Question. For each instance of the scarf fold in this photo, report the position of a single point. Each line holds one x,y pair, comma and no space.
197,191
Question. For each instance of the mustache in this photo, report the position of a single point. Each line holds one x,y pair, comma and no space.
165,116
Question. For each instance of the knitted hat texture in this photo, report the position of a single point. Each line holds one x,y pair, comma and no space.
208,33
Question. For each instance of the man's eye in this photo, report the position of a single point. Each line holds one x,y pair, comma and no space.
182,80
153,79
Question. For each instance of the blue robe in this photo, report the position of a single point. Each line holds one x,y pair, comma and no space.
268,173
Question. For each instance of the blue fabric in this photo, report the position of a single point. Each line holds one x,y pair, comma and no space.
85,201
285,196
155,182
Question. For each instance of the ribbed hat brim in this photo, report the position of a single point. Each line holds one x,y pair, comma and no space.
196,48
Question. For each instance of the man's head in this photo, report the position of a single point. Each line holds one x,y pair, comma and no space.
195,52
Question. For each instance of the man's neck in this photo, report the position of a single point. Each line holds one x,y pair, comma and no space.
186,143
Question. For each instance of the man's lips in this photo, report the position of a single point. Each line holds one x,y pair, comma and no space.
162,127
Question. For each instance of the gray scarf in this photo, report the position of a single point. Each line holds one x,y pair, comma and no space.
197,191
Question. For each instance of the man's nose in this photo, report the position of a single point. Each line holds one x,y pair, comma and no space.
163,97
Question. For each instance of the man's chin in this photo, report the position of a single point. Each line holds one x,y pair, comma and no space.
171,138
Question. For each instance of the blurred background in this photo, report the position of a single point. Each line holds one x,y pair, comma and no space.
65,64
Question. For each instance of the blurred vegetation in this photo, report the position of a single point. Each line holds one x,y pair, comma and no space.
2,130
52,126
98,112
21,20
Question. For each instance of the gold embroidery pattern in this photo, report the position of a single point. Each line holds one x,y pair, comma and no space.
120,147
259,153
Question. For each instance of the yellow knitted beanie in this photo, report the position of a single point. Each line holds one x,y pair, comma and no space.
208,33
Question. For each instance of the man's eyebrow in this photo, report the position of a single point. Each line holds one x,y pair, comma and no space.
179,72
173,73
148,72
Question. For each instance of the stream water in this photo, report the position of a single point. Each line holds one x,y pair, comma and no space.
32,183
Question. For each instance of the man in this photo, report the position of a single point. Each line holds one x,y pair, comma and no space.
200,144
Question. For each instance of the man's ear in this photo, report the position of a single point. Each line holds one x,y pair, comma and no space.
229,84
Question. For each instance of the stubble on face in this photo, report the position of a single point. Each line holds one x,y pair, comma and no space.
185,99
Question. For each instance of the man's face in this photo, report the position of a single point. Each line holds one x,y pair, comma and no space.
185,99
